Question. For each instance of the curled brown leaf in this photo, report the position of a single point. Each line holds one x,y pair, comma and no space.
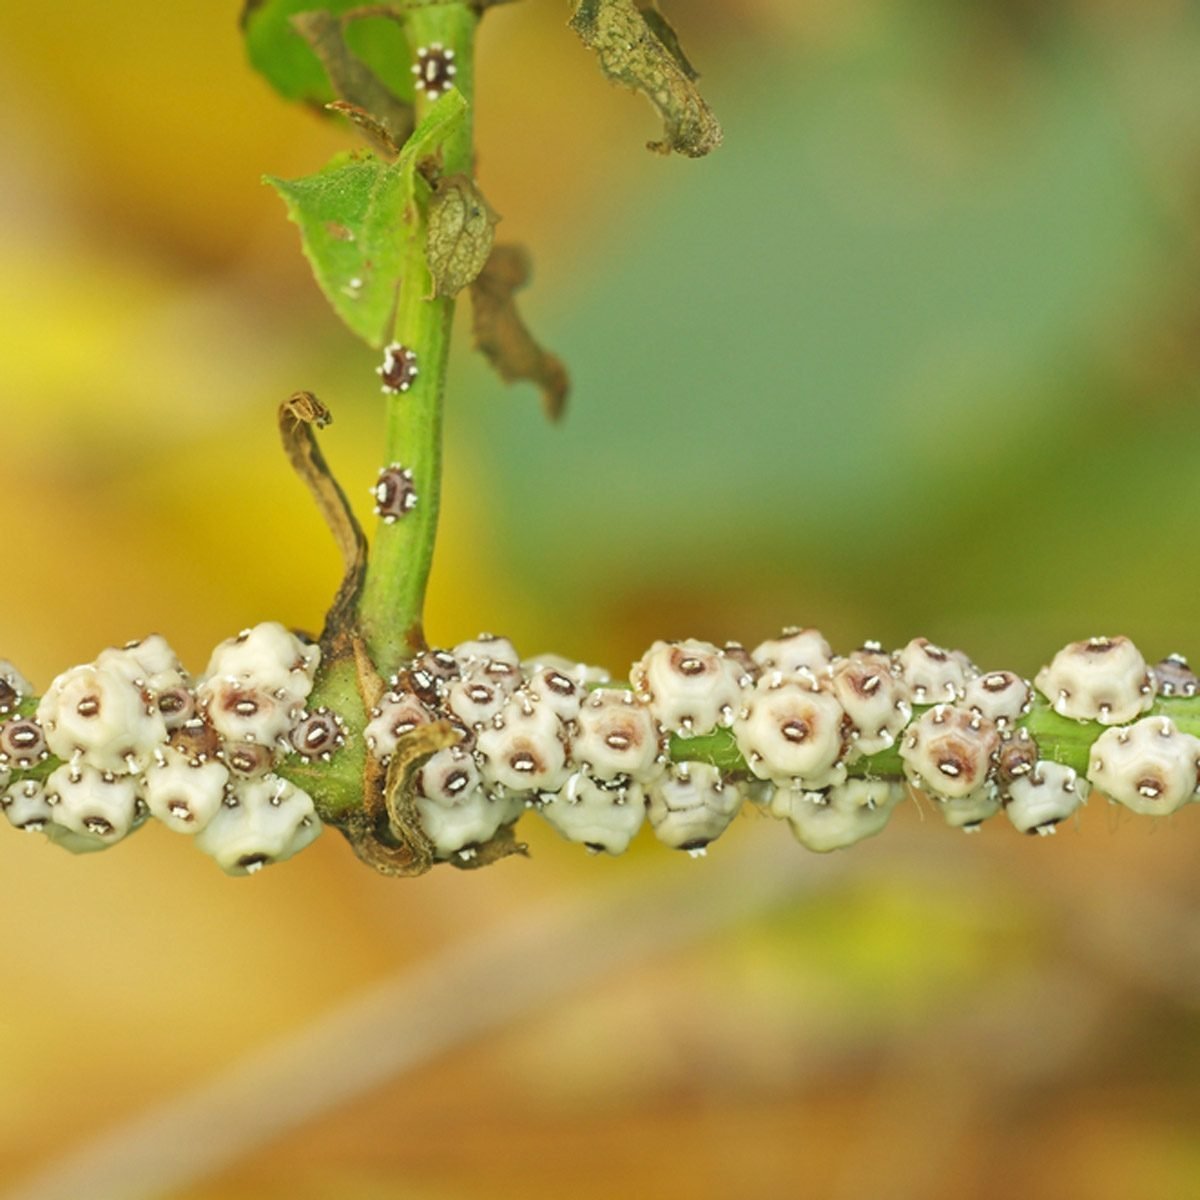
501,335
299,416
636,47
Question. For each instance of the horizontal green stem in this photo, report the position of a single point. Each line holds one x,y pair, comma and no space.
1059,739
336,786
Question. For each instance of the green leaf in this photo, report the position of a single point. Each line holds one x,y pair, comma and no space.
461,232
636,47
352,236
278,51
354,216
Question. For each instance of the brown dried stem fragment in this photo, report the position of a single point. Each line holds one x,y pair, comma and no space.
504,844
372,128
386,832
395,861
298,416
391,119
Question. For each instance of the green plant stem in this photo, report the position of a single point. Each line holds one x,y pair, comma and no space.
1059,739
393,598
336,786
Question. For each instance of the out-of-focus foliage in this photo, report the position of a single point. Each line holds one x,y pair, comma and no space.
277,49
913,353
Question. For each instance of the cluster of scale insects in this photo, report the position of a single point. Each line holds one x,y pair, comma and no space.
137,738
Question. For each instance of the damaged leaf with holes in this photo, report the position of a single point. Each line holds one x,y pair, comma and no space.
350,237
637,48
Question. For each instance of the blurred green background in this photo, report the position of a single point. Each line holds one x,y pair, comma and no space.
916,352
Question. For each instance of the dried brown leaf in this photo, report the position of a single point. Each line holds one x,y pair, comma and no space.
636,47
501,334
461,233
661,28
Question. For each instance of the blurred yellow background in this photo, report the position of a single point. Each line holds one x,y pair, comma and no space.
915,352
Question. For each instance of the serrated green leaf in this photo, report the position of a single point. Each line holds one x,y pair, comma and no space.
461,232
636,47
354,217
279,53
352,236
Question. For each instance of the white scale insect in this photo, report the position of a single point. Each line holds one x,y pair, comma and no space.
1150,766
617,738
262,821
1103,679
838,816
691,806
690,687
598,817
99,716
184,794
456,812
934,675
948,752
92,804
524,748
1037,801
875,698
791,732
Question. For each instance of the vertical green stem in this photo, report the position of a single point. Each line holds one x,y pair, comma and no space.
394,592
